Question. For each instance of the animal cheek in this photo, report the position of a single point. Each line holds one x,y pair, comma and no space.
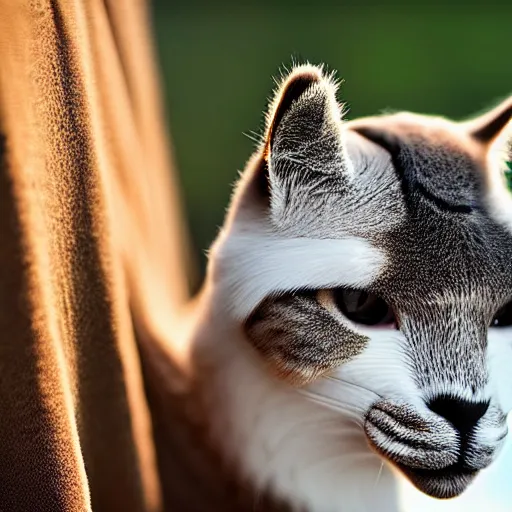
299,341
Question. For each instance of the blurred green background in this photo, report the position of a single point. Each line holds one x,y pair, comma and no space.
218,60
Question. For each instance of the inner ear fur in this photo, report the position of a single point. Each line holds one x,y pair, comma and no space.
486,128
291,90
296,85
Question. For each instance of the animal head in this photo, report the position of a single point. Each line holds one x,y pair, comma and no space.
369,265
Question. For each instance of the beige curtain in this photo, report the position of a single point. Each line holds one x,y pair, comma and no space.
96,413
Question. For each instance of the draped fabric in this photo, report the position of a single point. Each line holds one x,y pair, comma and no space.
94,403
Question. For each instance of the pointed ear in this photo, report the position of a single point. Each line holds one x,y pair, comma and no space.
303,145
486,128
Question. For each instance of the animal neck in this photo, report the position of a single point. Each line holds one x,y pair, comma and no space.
278,439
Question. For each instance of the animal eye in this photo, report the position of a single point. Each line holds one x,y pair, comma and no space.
503,318
363,308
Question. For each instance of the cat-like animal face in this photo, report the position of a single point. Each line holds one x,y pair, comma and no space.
369,263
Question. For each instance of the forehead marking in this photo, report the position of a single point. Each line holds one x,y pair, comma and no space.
449,239
269,265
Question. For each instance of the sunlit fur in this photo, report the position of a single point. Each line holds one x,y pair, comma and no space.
312,212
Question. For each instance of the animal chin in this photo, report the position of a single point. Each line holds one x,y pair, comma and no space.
422,447
444,483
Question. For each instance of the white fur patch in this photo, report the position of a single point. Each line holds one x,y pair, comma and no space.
252,266
307,453
308,445
379,371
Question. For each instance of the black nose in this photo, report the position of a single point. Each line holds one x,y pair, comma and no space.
462,414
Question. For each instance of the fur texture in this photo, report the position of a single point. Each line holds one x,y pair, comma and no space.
412,209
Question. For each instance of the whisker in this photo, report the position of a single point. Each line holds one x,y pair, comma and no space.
348,411
290,435
379,474
351,384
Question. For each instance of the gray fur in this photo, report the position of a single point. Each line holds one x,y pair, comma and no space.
449,260
450,268
299,338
